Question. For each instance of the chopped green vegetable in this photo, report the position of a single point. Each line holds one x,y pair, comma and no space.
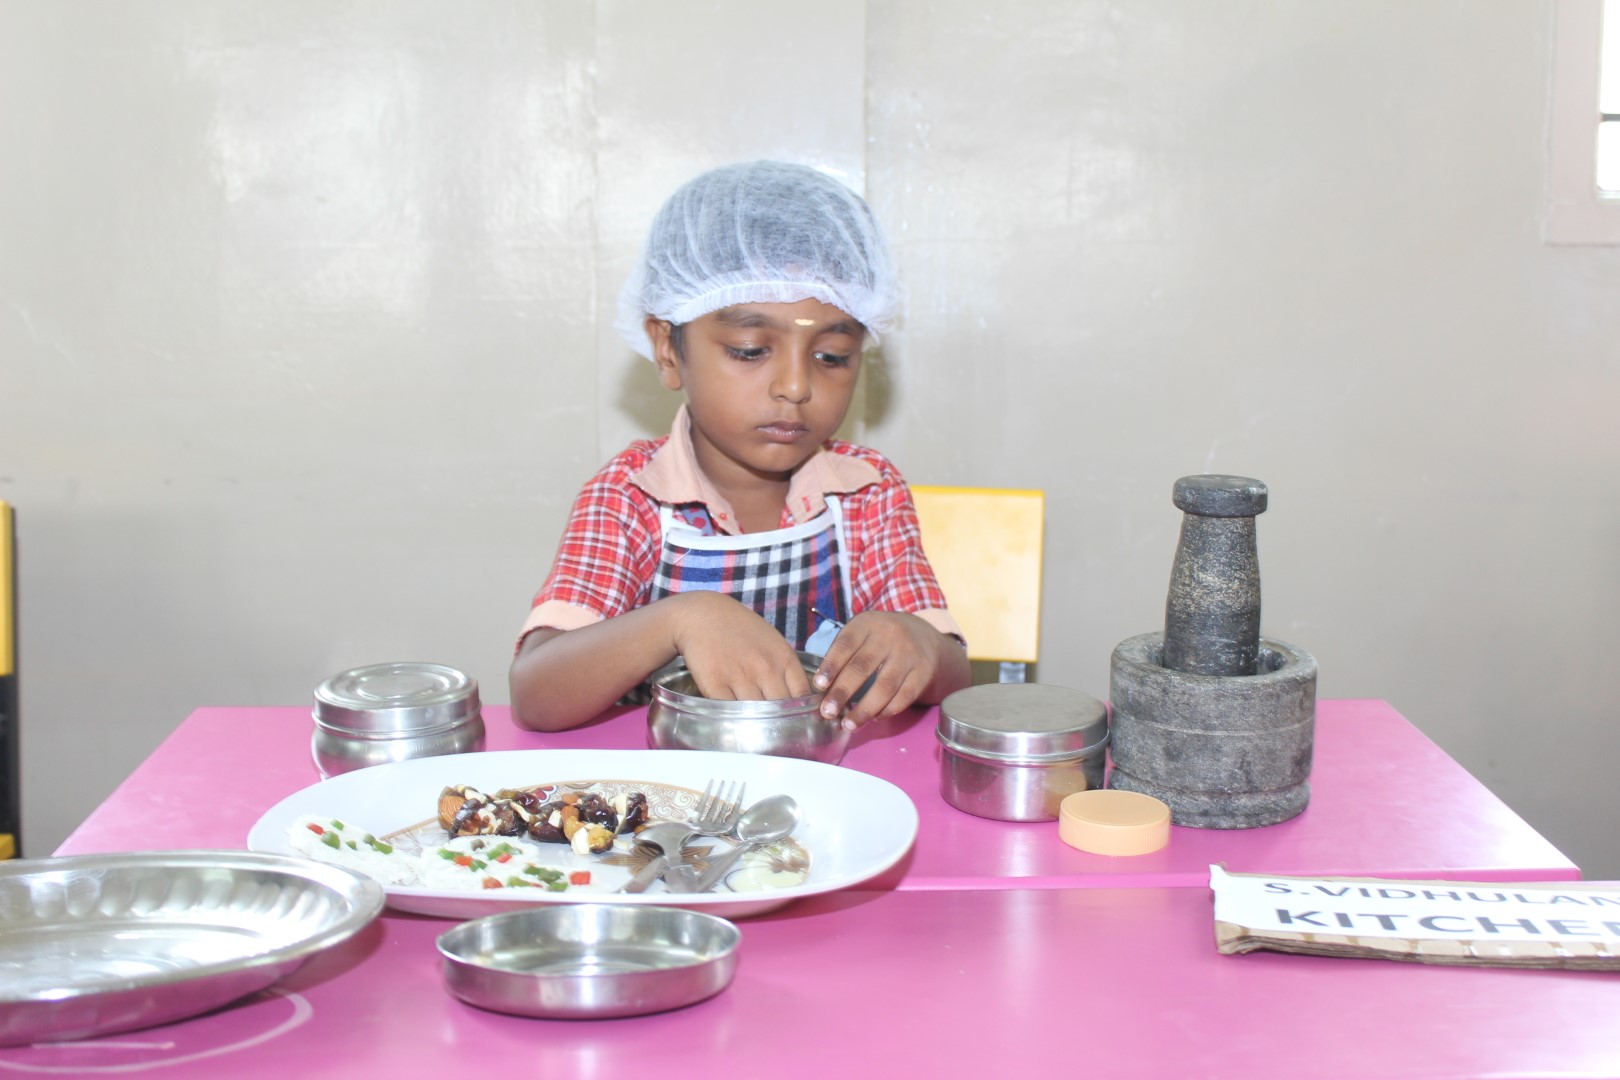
331,840
558,886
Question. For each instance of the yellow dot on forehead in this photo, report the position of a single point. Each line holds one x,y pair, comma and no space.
805,322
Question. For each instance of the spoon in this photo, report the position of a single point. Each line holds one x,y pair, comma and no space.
668,837
766,822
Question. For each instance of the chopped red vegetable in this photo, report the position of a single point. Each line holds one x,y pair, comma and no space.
316,829
492,883
462,860
579,877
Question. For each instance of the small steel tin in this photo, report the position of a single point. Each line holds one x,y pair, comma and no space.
680,719
1013,751
392,712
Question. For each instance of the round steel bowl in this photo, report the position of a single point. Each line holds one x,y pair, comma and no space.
589,961
680,719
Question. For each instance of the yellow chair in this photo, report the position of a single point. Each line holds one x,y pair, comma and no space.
985,545
9,805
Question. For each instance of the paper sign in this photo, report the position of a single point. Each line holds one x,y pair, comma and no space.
1531,924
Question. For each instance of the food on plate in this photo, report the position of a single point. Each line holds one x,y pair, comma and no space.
568,837
482,862
489,841
330,840
587,821
464,863
466,811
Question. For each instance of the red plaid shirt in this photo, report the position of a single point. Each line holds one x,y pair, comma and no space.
609,550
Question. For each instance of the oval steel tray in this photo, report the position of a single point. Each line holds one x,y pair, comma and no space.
94,944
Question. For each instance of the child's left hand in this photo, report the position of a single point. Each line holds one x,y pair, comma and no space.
912,662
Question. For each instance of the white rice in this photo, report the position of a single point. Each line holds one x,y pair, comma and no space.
342,843
488,862
462,864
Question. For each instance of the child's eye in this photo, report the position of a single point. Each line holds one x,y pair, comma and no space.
747,353
833,359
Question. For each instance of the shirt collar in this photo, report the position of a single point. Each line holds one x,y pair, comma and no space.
673,476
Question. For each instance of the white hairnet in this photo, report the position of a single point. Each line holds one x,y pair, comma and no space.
760,232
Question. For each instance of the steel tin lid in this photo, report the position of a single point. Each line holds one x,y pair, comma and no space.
399,698
1022,722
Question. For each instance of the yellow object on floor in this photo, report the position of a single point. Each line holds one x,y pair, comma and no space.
8,846
985,545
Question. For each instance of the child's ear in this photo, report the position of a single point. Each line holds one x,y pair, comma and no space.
661,333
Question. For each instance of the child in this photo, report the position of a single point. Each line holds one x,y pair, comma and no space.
758,288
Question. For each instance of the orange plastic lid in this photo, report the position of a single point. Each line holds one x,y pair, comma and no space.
1110,822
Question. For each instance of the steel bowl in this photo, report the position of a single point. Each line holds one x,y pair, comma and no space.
681,719
96,944
589,961
383,713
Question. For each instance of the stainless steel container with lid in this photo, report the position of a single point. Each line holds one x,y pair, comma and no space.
1013,751
680,719
393,712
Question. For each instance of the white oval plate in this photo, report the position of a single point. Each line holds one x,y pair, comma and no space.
853,825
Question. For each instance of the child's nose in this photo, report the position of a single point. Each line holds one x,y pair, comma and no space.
792,382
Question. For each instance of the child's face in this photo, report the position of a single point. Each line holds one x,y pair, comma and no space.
766,384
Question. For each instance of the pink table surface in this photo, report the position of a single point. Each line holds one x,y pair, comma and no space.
1385,802
981,984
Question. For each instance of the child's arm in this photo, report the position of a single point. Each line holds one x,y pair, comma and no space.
914,662
560,679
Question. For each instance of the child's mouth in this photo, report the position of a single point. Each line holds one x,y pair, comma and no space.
785,433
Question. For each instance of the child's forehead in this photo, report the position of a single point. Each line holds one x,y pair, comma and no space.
774,316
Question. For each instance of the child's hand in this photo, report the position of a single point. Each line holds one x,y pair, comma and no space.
911,659
733,654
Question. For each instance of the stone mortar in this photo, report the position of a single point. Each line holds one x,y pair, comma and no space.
1223,751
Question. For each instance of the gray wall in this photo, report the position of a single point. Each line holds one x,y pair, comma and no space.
304,345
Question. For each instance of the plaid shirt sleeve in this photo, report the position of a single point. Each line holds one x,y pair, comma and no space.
889,570
609,549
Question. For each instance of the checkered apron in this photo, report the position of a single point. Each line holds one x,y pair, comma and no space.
781,574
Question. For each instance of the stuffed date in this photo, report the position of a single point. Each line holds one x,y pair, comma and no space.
587,821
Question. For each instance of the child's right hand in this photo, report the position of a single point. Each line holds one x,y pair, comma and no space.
732,653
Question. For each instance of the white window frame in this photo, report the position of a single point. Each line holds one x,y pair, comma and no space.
1576,211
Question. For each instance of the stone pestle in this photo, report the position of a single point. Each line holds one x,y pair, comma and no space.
1212,613
1209,716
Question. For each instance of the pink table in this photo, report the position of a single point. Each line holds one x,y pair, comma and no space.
994,983
994,951
1385,802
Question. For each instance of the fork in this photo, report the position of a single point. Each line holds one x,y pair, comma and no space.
716,815
719,809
